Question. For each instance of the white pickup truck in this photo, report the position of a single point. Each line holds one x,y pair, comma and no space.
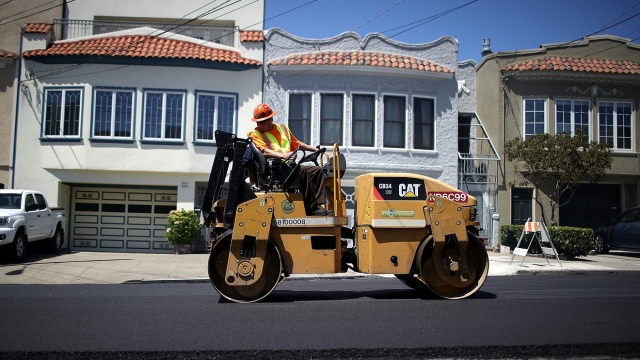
26,217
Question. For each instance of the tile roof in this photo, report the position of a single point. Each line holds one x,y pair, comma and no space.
38,28
252,35
577,64
141,46
8,54
361,58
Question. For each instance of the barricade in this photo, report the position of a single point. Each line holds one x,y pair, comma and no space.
535,228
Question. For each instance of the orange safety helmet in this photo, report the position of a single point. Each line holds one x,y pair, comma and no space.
262,112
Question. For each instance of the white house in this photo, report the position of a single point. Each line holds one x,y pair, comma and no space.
118,106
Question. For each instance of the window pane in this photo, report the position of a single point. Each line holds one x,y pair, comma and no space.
206,110
534,117
102,113
124,114
226,109
173,117
300,116
394,120
605,119
72,112
331,109
624,126
581,117
363,120
563,116
153,116
423,123
53,112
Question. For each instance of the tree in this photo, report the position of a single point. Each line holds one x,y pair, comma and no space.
559,161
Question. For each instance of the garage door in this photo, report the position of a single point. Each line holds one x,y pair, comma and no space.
120,220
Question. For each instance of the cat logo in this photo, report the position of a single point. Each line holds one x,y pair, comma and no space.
409,190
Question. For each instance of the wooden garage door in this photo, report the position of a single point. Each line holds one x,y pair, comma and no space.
120,220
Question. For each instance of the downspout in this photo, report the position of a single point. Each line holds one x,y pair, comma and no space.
264,45
16,104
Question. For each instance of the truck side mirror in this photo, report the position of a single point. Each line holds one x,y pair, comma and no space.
32,207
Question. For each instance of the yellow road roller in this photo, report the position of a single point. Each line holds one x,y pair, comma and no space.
419,229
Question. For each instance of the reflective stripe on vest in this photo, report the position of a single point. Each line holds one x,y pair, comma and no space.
272,143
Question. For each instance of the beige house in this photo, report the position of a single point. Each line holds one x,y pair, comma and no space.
593,85
15,14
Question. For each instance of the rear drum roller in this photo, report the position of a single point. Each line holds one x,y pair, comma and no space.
243,294
477,260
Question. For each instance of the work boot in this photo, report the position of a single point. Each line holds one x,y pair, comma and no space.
322,212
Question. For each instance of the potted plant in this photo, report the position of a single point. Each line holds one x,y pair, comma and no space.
183,230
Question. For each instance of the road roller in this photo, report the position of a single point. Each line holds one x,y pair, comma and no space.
417,228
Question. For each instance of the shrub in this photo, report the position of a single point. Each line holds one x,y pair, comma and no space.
569,241
182,227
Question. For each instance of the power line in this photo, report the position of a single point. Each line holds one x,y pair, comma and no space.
428,19
6,2
26,16
377,16
76,66
126,47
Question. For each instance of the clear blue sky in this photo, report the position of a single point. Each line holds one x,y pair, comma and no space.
510,24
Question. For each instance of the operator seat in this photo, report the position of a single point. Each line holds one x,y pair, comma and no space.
265,173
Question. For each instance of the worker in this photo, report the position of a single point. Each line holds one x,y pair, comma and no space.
277,141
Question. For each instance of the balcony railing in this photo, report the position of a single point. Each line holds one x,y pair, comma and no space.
71,29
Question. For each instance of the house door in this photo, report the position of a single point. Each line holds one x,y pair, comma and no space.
520,206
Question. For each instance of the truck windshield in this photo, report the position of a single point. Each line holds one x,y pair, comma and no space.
10,201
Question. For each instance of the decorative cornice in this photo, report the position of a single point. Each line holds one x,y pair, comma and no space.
549,77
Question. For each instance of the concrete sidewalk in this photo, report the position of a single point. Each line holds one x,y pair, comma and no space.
116,268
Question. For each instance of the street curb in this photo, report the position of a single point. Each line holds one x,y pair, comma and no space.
577,272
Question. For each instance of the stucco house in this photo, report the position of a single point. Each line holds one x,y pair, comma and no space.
14,15
591,85
117,110
391,106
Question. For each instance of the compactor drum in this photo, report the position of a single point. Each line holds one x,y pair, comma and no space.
417,228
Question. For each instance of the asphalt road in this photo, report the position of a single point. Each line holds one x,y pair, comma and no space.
567,315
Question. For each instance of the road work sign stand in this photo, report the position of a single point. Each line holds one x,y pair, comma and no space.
535,228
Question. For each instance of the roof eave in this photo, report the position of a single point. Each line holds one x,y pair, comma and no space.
361,69
141,61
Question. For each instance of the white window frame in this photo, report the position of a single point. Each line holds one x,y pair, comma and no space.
217,96
573,115
163,119
406,121
311,122
344,107
615,124
60,134
524,116
376,101
113,112
413,134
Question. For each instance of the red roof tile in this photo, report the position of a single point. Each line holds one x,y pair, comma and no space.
361,58
38,28
558,63
142,46
252,35
8,54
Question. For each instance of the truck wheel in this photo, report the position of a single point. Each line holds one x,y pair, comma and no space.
56,241
18,247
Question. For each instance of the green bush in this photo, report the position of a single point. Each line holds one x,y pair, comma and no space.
569,241
182,227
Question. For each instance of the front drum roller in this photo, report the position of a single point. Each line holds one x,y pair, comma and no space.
478,264
257,291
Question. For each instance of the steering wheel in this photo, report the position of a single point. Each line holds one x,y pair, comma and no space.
313,157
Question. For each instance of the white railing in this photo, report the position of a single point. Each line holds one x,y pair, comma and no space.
70,29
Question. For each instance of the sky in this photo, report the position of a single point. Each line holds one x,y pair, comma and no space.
509,24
